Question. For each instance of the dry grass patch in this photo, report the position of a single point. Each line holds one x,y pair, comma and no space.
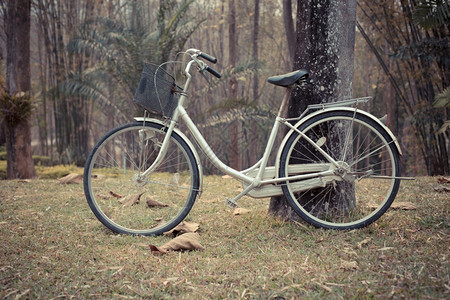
52,246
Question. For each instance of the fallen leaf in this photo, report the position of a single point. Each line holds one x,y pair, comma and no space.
240,211
169,280
328,289
115,194
154,203
442,179
185,242
349,265
71,178
395,205
441,189
386,248
130,200
364,242
183,227
403,205
226,177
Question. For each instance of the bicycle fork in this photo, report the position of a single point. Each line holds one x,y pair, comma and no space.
162,151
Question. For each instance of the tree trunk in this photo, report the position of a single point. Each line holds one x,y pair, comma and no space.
235,161
325,47
290,30
16,121
253,150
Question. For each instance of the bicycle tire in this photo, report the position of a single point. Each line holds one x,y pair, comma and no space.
128,204
372,162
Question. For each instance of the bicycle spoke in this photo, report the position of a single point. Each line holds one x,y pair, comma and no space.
124,154
350,199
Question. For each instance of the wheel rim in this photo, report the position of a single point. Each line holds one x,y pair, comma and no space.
149,205
368,155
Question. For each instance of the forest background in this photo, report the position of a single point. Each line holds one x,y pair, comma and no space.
87,58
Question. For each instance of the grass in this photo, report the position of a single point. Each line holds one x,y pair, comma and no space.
53,247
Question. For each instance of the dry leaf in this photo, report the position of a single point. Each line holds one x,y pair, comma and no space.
395,205
349,265
403,205
185,242
441,188
364,242
183,227
130,200
154,203
226,177
442,179
386,248
71,178
240,211
115,194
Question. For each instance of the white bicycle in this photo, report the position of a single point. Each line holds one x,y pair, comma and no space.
338,166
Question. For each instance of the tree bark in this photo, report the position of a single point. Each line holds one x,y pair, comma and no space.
253,150
290,30
235,161
16,122
325,47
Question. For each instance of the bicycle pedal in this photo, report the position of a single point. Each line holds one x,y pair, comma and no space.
230,203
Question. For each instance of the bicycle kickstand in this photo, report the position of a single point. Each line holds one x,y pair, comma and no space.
233,202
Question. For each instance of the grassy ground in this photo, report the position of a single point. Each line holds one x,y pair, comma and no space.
52,246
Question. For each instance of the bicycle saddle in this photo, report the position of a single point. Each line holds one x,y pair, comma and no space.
288,79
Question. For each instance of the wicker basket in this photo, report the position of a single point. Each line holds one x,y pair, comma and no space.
156,91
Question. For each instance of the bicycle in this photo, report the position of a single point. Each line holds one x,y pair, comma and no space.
143,178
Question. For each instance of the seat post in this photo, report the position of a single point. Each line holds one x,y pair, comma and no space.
284,102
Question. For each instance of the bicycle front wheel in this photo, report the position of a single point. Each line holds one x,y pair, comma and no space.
366,181
127,202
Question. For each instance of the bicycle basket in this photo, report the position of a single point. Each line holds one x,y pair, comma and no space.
155,92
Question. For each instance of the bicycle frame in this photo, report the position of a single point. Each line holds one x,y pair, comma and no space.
259,180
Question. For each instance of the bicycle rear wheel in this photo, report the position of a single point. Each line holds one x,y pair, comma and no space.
366,182
128,203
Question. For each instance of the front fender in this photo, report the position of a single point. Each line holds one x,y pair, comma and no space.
187,141
303,120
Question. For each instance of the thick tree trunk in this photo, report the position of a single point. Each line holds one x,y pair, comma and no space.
18,148
325,47
16,122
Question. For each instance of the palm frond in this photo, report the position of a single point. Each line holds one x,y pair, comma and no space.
428,49
442,99
89,86
431,14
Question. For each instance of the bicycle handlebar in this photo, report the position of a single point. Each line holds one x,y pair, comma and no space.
208,57
213,72
197,53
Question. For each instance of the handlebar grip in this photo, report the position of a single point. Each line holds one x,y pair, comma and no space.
212,71
208,57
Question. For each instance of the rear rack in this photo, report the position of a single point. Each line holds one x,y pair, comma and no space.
342,103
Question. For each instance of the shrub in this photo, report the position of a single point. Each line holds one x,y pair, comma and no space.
56,172
2,169
42,160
